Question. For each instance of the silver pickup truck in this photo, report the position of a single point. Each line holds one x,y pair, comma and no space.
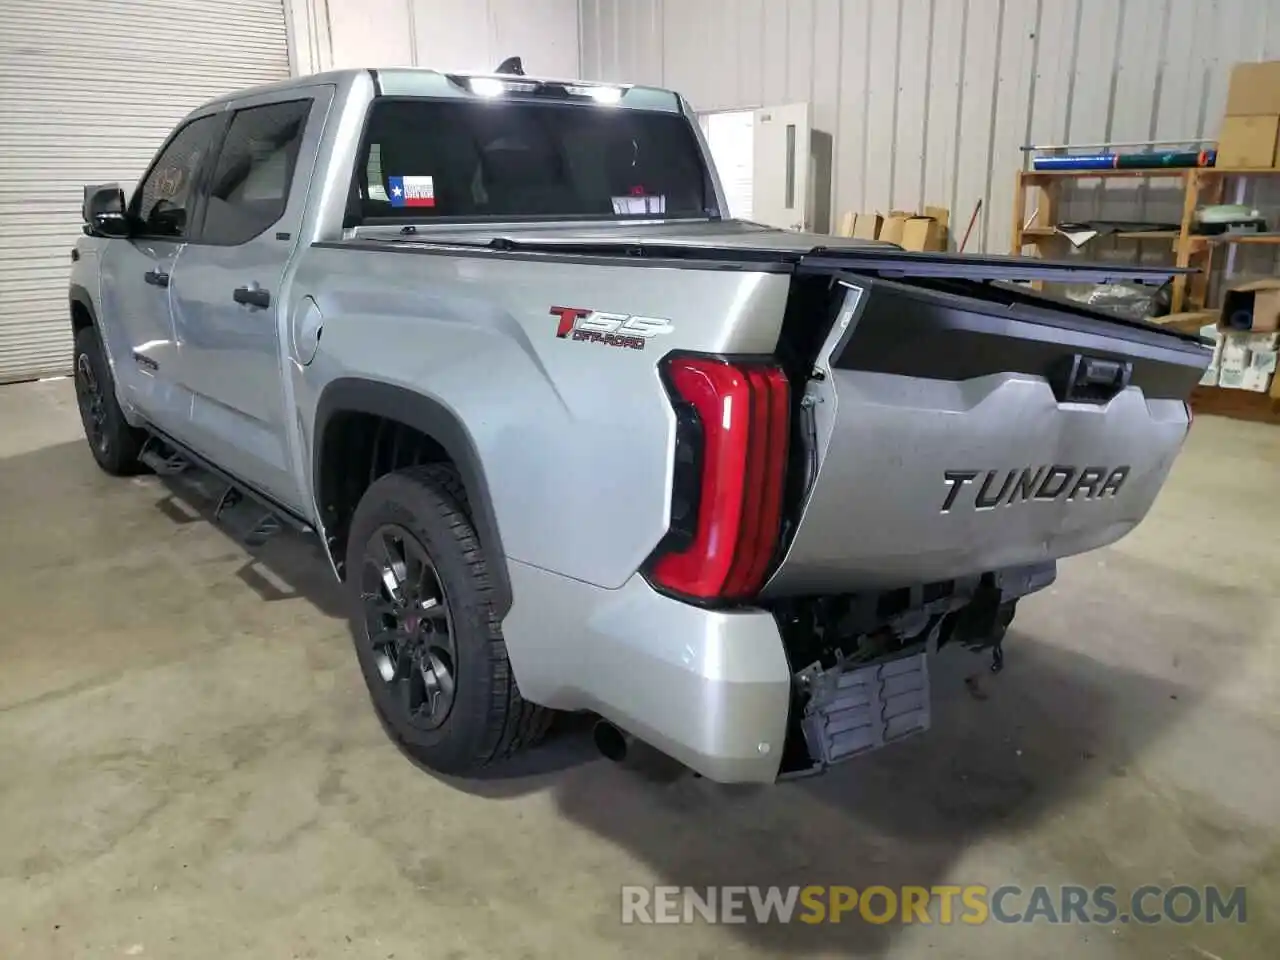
573,439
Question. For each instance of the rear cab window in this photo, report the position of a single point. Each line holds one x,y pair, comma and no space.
482,158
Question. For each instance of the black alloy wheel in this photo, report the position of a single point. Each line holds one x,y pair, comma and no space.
427,635
114,444
409,626
93,406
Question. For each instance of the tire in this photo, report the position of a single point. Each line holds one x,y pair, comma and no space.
412,526
115,445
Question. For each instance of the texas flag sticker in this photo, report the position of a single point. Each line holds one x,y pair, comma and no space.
411,191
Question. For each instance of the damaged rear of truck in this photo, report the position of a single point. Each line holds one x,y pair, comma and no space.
727,486
740,483
746,490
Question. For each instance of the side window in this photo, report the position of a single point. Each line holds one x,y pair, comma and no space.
249,189
162,205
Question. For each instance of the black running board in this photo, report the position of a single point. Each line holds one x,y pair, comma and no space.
168,457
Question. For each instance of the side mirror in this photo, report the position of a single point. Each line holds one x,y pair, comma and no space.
103,211
165,220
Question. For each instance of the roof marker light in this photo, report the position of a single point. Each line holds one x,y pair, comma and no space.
607,96
486,86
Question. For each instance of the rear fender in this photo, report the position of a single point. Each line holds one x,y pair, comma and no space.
433,419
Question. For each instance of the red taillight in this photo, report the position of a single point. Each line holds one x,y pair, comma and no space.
734,421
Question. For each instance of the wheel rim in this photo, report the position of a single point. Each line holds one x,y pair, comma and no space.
408,626
93,407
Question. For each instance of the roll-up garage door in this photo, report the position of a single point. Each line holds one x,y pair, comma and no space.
88,91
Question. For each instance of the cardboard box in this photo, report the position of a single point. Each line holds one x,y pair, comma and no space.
1210,377
892,227
1252,306
1255,380
1248,141
1264,360
922,233
1254,89
943,216
866,226
1231,379
845,229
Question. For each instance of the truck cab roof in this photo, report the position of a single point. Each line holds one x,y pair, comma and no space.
426,82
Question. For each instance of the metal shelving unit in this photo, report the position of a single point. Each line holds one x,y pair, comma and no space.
1201,185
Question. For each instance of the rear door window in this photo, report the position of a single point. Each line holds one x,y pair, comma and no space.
443,159
162,205
249,189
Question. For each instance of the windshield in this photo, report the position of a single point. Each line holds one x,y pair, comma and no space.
446,159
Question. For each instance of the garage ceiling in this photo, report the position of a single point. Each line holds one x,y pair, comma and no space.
88,91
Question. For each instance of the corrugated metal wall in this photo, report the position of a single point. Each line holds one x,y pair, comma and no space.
442,34
929,100
89,89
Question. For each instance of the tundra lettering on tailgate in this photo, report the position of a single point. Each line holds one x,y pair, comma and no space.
1056,482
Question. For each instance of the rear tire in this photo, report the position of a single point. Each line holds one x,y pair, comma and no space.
428,640
115,445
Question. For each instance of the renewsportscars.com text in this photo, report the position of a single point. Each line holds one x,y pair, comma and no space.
940,904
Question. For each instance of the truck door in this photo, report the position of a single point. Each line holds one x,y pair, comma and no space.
229,302
136,273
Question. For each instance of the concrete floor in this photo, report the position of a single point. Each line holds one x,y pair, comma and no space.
189,766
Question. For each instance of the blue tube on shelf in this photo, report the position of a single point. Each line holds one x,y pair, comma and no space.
1129,161
1098,161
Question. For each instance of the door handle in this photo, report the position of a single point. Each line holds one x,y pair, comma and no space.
252,296
157,278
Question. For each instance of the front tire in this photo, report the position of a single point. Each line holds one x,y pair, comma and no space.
115,444
429,643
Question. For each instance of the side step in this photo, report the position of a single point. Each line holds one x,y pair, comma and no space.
232,511
163,461
248,516
855,710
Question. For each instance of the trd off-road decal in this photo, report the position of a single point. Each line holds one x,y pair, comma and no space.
611,329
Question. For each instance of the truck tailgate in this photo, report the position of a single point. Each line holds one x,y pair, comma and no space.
952,426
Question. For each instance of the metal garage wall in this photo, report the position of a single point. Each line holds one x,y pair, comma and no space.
929,100
88,90
444,34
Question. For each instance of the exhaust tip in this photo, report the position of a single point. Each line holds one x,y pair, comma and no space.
612,743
